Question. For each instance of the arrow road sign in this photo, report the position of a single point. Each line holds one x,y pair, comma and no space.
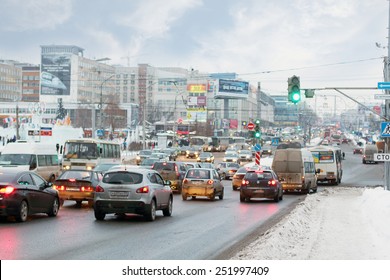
383,85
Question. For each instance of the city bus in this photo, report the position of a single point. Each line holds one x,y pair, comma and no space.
328,160
86,153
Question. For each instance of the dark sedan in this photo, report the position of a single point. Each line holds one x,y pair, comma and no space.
261,184
23,193
77,185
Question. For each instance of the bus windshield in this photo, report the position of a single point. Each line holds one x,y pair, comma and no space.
81,150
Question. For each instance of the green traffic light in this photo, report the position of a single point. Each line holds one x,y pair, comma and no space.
296,97
257,134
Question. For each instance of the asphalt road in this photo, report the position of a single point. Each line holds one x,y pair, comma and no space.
198,229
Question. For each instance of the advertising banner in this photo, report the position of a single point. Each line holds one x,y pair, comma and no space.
232,89
55,74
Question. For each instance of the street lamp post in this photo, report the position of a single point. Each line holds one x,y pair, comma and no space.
101,100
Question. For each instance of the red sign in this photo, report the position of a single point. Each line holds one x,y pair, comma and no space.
250,126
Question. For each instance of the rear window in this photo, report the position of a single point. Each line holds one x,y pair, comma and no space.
198,174
167,166
258,175
122,178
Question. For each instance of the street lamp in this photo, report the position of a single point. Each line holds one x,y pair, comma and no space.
101,101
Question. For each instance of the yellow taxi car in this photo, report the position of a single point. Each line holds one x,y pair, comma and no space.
204,182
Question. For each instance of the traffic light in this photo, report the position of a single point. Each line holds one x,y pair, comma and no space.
257,133
294,91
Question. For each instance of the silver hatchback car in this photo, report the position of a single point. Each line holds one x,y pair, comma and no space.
135,190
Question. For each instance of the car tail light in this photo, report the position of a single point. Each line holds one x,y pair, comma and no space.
59,188
272,183
244,182
177,171
99,189
144,189
7,190
210,182
87,189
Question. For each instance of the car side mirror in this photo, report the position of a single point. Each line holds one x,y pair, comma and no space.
167,183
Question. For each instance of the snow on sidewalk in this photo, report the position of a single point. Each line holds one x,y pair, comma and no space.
336,224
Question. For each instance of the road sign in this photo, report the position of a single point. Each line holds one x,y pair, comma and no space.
382,157
251,126
257,147
382,96
383,85
385,129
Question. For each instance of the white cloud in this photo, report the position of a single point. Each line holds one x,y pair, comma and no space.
21,15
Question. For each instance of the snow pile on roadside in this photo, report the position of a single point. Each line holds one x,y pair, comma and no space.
338,223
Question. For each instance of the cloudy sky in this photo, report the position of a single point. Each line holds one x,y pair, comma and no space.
327,43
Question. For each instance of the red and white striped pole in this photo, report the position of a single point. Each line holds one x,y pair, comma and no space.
257,157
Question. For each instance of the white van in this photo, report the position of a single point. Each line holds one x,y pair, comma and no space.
295,169
368,153
38,157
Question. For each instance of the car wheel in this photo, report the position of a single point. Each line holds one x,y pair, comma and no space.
184,197
167,212
193,197
212,197
99,215
234,188
277,197
242,198
23,212
151,211
78,203
54,209
221,195
90,203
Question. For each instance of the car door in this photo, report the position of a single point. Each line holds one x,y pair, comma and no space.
217,181
157,188
45,198
32,193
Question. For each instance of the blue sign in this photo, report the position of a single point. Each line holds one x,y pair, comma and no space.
385,129
275,141
257,147
100,132
383,85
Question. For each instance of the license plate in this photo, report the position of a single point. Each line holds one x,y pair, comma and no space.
73,189
119,194
259,191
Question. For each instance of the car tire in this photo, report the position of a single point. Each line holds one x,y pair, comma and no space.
99,215
150,214
184,197
212,197
90,203
78,203
167,212
242,198
221,195
234,188
277,197
23,212
55,208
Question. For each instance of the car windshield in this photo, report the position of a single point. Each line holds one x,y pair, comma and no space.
167,166
15,159
122,178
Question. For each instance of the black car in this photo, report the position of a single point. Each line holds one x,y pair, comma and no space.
261,184
23,193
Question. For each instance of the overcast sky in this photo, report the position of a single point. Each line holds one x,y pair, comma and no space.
327,43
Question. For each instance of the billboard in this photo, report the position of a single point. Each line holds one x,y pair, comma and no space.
55,74
232,89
